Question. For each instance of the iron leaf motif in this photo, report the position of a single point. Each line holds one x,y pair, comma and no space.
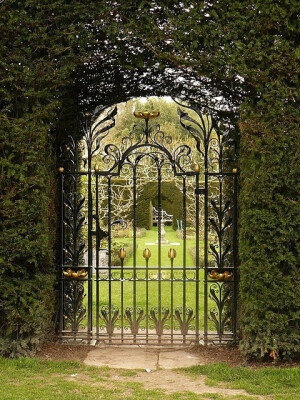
220,294
184,320
134,321
110,316
74,310
159,321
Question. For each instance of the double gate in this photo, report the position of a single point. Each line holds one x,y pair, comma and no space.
118,286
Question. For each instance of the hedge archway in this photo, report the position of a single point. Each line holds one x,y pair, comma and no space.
238,60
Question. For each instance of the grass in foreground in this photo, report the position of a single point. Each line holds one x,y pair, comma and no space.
277,382
31,379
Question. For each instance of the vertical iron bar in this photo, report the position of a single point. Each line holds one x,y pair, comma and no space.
122,300
147,300
75,214
90,246
62,236
184,254
75,233
205,241
159,250
97,257
197,258
235,255
134,248
220,178
172,300
109,255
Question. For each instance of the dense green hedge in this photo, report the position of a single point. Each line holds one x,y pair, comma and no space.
171,200
248,55
269,244
27,224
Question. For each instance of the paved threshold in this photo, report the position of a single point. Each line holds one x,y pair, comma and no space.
141,358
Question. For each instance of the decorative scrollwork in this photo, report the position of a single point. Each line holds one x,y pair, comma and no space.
110,316
116,275
178,275
184,320
74,309
74,220
182,157
159,322
71,151
112,155
220,315
96,127
190,275
159,137
153,275
134,320
137,135
141,275
211,138
198,130
145,141
220,224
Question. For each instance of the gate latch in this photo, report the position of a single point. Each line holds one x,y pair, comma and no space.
99,233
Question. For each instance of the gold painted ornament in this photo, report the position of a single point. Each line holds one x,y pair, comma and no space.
80,274
146,254
225,276
122,253
146,114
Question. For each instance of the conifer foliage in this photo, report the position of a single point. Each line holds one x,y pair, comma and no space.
237,60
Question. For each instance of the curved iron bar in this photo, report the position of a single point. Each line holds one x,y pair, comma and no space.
120,160
97,127
208,134
219,314
74,308
134,322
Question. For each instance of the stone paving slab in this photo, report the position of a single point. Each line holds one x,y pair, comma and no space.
177,359
141,358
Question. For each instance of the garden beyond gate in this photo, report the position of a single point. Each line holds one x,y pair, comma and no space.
153,293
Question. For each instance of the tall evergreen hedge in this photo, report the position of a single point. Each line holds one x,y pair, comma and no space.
270,245
37,60
27,225
243,52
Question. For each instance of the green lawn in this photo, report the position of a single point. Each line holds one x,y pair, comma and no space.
141,299
280,383
151,237
32,379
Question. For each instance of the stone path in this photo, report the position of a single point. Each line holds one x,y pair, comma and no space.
156,369
141,358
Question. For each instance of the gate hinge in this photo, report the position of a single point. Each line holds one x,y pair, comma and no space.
200,191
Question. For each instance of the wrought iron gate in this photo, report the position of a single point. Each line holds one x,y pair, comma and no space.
152,301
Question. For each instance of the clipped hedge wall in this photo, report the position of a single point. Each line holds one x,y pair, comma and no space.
171,202
27,225
270,243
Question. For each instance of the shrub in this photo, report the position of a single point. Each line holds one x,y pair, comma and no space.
27,224
270,244
27,313
128,233
115,260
